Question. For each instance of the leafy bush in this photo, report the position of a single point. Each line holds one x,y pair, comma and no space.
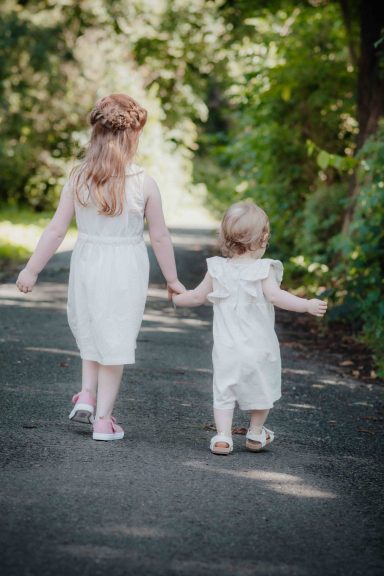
359,275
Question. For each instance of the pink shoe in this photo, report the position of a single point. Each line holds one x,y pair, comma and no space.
84,408
107,430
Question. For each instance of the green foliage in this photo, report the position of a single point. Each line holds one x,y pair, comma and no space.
322,215
289,84
33,60
19,232
10,252
59,57
359,275
289,145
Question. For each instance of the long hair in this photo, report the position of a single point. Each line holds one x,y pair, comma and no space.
116,122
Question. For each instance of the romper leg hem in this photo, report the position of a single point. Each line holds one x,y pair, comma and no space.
225,407
247,407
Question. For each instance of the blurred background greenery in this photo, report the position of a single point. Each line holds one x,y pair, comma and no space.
280,101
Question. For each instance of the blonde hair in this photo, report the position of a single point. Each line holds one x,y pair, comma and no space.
116,121
245,227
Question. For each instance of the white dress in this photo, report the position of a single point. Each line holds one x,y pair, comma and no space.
108,279
246,352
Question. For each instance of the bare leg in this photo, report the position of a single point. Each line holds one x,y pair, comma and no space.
258,417
108,388
223,421
90,372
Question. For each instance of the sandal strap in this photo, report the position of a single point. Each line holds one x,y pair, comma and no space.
262,438
221,438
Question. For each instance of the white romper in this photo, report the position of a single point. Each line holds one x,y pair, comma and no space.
246,352
108,280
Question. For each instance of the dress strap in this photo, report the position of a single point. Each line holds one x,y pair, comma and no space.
135,176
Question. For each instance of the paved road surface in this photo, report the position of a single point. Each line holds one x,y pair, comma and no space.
158,503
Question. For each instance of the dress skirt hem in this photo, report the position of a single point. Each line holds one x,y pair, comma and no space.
108,361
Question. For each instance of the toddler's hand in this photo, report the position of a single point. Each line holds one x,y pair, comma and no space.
26,280
317,307
175,287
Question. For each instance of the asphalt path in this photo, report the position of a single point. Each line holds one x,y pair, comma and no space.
158,502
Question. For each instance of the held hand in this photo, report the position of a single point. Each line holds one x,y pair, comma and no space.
174,298
26,280
175,287
317,307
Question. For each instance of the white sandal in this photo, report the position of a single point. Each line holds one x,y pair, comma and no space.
262,440
221,450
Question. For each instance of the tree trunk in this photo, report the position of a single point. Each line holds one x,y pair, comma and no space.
370,85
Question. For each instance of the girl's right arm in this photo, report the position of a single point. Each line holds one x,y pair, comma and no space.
49,241
160,237
287,301
195,297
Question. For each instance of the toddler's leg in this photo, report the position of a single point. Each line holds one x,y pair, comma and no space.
108,388
90,374
223,420
257,436
258,417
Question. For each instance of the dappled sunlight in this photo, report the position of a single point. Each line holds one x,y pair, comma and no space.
160,317
365,404
131,531
347,384
326,382
304,406
33,304
278,482
52,350
168,330
158,294
26,235
296,371
234,567
46,295
92,551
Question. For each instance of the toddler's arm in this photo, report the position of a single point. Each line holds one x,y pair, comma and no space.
195,297
287,301
160,236
49,242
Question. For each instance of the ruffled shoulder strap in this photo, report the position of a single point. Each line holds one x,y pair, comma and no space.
216,271
215,266
251,275
261,268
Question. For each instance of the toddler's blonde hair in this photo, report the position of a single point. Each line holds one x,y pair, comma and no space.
116,122
244,228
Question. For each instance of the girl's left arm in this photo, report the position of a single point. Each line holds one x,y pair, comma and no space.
195,297
160,237
49,241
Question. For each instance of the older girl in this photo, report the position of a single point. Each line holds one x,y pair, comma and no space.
108,282
244,288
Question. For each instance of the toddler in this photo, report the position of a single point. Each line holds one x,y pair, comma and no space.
108,281
244,287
